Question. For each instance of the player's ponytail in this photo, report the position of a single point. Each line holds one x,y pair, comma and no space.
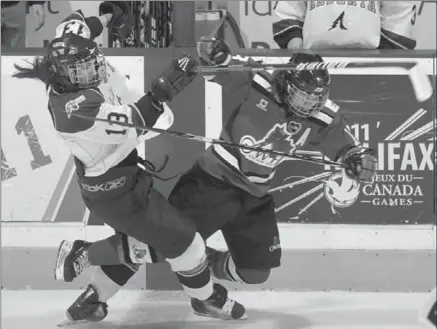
39,69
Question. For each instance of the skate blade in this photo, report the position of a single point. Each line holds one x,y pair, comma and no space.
68,323
220,317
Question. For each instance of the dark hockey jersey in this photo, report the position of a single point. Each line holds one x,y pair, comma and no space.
260,122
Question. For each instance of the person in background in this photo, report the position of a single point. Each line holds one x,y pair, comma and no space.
14,21
345,24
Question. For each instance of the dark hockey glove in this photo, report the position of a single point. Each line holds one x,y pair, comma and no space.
175,79
121,23
360,164
212,51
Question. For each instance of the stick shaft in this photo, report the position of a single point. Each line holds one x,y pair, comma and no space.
329,64
212,141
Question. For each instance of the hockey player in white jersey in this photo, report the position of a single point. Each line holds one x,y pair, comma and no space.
82,88
345,24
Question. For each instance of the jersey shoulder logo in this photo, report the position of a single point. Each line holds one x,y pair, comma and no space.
73,105
278,138
262,105
339,22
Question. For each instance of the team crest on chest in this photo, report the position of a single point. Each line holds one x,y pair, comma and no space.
280,138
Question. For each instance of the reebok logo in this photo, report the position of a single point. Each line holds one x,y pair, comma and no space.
105,187
339,22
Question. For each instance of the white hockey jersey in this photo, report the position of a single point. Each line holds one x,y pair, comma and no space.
346,24
99,145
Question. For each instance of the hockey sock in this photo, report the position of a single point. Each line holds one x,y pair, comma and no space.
107,252
193,271
197,282
108,279
224,268
120,249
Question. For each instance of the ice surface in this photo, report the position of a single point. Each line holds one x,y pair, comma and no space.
39,309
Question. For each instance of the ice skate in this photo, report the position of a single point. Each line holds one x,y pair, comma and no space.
71,260
86,308
219,306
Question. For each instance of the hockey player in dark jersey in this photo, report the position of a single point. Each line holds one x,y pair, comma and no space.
227,188
83,87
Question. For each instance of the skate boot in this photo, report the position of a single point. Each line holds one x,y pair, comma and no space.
72,259
86,308
219,306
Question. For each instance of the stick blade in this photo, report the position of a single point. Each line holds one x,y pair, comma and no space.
66,322
422,86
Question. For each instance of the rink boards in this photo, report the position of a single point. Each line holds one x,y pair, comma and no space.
315,258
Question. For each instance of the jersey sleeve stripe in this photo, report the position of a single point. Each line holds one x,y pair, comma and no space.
286,30
285,26
262,81
263,86
323,117
397,41
261,180
226,156
135,120
135,109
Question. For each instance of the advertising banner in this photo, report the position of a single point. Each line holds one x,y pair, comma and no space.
37,172
383,112
256,19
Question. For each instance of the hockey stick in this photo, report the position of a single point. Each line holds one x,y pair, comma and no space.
422,86
211,140
282,66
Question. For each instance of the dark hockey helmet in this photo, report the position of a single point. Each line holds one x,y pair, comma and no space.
303,91
76,63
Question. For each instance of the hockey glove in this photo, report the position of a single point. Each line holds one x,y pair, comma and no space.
121,23
175,79
361,164
212,51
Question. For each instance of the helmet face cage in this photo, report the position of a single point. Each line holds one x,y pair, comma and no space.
305,104
77,63
88,72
